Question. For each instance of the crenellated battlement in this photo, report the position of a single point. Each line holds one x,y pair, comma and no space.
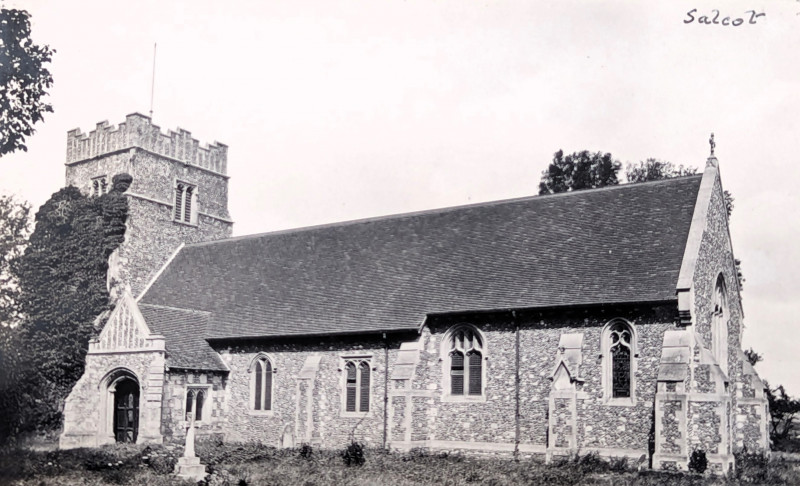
138,131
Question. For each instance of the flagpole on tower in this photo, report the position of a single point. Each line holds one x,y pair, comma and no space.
153,82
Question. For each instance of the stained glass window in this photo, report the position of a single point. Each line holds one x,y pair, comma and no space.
620,339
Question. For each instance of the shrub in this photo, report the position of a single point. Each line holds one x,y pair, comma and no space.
698,461
306,451
591,463
162,465
353,454
752,468
618,464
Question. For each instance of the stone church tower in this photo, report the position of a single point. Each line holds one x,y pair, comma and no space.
179,192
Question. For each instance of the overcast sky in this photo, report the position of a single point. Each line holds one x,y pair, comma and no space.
340,110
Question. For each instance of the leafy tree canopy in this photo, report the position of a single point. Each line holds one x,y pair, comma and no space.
14,230
654,170
62,283
753,357
783,410
579,170
24,80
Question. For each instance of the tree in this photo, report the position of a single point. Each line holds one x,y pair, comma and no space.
579,170
14,230
62,283
783,410
24,80
654,170
753,357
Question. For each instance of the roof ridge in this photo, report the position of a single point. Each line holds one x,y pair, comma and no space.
159,306
445,209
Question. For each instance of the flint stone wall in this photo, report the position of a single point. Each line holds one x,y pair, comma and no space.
328,426
152,235
173,410
715,258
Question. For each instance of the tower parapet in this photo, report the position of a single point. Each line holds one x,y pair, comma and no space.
138,131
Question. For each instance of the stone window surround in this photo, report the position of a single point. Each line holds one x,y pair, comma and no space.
445,349
195,190
206,403
251,370
98,186
357,359
605,357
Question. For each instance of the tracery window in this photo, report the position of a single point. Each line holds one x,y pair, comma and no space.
185,195
100,186
357,385
196,399
262,371
619,351
719,324
466,362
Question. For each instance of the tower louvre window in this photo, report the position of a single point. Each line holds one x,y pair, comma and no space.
185,207
99,185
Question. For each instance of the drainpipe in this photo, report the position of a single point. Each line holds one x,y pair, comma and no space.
385,389
516,388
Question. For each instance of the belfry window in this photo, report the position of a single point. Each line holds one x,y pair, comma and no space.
185,203
100,186
465,356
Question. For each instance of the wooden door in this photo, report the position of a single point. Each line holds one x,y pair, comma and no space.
126,411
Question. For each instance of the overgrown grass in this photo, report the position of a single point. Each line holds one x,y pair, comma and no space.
254,464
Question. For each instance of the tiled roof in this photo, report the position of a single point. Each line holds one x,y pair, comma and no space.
184,332
611,245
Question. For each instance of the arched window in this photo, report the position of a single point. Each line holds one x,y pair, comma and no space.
719,324
465,353
618,352
196,399
185,210
357,385
99,185
261,383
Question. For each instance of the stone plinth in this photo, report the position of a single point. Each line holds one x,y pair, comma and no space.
190,468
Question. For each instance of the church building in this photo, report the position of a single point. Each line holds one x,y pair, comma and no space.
605,320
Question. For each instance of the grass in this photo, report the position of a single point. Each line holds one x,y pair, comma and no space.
254,464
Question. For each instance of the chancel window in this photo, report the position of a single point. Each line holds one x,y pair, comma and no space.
719,325
100,186
262,370
619,353
466,362
357,385
620,361
185,203
196,399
